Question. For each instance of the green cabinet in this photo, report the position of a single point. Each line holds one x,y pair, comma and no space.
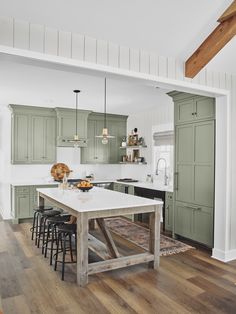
24,199
194,222
194,163
194,167
33,135
169,211
191,108
123,188
98,153
66,126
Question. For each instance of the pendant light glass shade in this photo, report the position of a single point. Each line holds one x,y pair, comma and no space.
105,135
76,140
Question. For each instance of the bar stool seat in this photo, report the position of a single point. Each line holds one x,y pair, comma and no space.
65,233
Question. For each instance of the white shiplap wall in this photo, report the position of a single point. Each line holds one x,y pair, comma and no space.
23,35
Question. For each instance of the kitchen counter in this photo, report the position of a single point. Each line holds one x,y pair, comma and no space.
149,185
145,185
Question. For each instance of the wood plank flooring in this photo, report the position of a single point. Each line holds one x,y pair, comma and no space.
189,282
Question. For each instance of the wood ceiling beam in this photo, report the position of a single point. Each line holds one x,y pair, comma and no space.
221,35
228,12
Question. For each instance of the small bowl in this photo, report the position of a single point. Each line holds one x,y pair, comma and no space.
85,188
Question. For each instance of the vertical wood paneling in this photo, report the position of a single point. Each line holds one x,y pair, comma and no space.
154,66
162,66
124,58
209,78
102,52
216,79
179,70
134,60
36,37
64,45
144,62
171,68
21,34
90,49
78,47
6,31
51,41
222,78
113,57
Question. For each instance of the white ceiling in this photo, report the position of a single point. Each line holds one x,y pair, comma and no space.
168,27
24,83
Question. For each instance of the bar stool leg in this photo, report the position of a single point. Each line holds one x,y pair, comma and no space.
47,239
71,252
57,251
33,228
40,230
63,257
44,228
52,243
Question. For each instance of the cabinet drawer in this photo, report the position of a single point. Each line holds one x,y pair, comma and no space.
22,189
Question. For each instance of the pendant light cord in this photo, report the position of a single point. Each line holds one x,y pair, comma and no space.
76,111
105,105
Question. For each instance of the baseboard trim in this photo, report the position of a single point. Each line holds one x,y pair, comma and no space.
224,256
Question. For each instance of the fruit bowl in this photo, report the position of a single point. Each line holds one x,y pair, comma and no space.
85,188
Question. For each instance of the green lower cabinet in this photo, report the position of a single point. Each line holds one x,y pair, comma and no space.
127,189
194,222
169,211
24,199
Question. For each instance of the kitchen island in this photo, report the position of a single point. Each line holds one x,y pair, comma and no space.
99,204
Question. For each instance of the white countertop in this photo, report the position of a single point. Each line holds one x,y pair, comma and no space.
96,199
146,185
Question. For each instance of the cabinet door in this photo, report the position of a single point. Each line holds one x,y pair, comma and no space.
203,225
184,155
205,108
203,184
184,111
38,148
168,216
183,220
88,153
101,150
21,139
49,139
22,204
117,129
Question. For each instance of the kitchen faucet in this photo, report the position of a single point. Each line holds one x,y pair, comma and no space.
157,170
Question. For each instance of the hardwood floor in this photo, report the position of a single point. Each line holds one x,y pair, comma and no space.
189,282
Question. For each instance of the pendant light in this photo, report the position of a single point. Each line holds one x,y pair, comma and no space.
76,140
105,135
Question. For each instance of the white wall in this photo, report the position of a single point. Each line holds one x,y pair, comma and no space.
147,122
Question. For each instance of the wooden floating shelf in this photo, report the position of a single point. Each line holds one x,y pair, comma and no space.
145,146
133,163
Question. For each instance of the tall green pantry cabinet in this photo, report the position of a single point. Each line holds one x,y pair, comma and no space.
194,167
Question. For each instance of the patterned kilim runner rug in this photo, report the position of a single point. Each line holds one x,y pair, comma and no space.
139,235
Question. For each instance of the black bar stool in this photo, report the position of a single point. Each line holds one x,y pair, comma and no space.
37,210
65,233
51,235
42,224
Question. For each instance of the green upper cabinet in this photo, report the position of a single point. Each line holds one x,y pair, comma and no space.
33,135
191,108
66,126
20,141
96,152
